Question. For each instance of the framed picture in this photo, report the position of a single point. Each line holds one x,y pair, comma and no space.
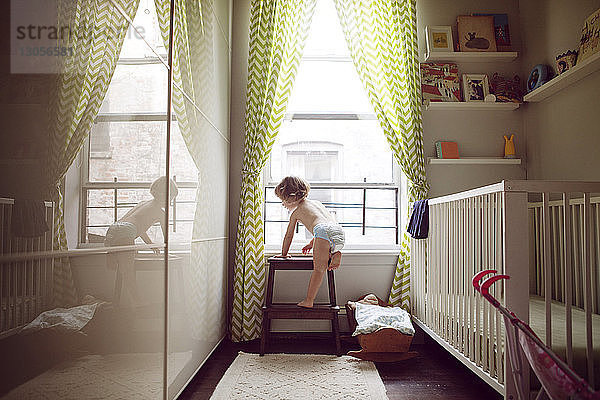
440,82
476,33
475,87
501,31
590,36
439,38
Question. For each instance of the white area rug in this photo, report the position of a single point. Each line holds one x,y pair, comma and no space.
299,377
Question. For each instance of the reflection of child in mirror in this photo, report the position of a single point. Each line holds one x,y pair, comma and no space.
135,224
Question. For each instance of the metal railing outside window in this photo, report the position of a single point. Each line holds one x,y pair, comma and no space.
367,190
115,206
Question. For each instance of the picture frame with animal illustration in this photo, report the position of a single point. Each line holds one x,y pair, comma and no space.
475,87
439,38
476,33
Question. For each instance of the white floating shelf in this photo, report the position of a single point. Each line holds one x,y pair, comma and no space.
471,105
472,56
578,72
475,160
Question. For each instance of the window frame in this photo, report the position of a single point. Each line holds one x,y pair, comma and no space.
84,177
398,183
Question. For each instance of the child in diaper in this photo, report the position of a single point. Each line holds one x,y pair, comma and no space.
135,224
328,237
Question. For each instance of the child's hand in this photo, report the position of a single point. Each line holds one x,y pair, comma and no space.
306,249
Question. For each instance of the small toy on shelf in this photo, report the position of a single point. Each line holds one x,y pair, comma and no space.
565,61
539,75
506,90
509,146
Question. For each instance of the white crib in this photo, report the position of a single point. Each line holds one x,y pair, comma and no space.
503,227
25,282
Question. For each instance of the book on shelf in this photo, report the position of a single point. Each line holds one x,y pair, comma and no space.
446,149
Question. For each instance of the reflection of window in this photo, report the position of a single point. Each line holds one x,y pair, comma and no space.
332,138
126,149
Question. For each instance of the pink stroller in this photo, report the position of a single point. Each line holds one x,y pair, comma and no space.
557,379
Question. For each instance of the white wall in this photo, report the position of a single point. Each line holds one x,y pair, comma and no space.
478,133
563,135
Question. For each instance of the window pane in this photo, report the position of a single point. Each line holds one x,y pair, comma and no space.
147,81
138,153
325,24
328,86
332,151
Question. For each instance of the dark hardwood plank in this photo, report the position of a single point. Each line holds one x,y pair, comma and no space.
433,374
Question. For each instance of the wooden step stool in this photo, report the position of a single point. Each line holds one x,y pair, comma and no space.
272,310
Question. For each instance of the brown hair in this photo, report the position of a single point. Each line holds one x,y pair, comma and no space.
292,188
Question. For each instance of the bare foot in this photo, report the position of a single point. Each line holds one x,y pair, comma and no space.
305,303
336,260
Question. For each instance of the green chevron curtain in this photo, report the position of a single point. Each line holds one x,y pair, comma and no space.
193,94
382,38
278,31
97,33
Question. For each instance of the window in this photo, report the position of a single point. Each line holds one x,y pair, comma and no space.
126,148
332,138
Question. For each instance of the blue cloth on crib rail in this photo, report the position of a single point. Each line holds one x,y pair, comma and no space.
418,227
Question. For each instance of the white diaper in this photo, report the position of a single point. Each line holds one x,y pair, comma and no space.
331,232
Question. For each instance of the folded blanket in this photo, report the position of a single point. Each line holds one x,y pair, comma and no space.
418,227
371,318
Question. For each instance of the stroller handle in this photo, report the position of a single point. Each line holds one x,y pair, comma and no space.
483,287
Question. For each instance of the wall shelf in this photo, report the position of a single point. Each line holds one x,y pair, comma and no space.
464,56
467,106
578,72
475,160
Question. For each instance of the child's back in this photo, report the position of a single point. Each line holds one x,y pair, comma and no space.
312,212
144,215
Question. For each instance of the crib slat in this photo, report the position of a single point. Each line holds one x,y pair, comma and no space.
453,271
444,281
587,243
463,277
490,264
597,258
484,264
557,246
498,289
547,267
568,276
478,301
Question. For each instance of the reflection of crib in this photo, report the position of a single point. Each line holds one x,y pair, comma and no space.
25,282
501,227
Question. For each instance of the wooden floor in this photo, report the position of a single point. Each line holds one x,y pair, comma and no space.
434,374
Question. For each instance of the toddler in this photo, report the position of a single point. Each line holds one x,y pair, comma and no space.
328,237
135,224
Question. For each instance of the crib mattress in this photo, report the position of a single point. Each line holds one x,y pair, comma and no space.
537,321
113,376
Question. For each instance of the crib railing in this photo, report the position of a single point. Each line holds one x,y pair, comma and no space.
25,283
557,257
488,228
